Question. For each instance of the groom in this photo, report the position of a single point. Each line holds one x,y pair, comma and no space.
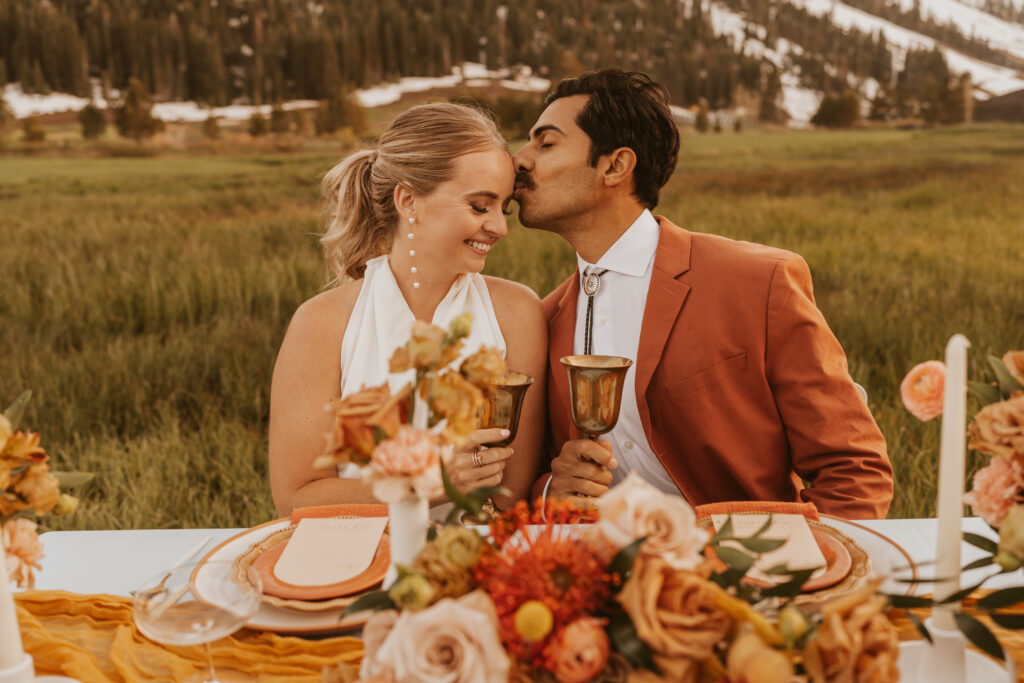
739,390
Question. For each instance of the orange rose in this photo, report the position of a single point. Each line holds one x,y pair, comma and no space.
458,401
856,642
675,614
998,428
357,419
485,367
582,651
922,388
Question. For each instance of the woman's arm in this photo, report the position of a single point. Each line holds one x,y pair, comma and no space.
525,330
306,376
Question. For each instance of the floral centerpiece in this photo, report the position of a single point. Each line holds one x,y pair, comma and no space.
401,440
638,594
28,489
997,490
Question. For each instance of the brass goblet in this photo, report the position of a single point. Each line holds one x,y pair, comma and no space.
503,403
595,391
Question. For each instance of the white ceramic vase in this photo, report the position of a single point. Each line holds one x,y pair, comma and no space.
409,522
948,660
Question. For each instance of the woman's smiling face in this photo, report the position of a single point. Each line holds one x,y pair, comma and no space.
458,223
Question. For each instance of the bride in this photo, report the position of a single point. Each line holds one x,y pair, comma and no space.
410,226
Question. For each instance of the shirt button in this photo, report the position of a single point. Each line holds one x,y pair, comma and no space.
628,444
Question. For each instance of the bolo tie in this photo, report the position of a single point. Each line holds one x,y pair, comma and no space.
591,285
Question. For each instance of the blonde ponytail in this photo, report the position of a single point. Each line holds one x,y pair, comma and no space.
418,150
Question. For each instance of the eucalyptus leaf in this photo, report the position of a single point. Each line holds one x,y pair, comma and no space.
622,563
764,527
979,635
16,410
70,480
979,563
791,587
960,594
985,393
909,601
735,559
1014,622
777,569
1007,382
983,542
624,638
460,500
377,600
1002,598
761,545
921,628
725,533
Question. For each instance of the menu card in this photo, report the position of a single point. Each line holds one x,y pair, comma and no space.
325,551
800,551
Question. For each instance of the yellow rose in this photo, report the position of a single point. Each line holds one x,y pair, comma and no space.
485,367
459,545
412,591
458,401
38,488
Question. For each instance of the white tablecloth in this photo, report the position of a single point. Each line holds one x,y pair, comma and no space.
118,561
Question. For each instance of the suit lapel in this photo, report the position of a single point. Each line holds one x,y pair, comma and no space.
665,298
561,332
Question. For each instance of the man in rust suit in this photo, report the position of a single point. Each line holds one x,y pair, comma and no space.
738,390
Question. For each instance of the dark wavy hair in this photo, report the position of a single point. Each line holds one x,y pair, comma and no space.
627,109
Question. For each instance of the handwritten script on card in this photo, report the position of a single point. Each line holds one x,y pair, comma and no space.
800,551
325,551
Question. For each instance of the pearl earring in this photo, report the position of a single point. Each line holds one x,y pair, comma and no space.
412,252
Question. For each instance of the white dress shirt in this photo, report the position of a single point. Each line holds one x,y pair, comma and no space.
618,317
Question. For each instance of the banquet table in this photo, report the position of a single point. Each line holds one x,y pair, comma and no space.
118,561
85,572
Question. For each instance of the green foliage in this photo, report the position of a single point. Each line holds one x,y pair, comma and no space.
7,118
211,128
145,299
340,110
32,129
92,121
133,115
280,121
838,110
703,122
257,125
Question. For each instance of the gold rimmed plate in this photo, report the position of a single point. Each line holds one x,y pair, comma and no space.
275,618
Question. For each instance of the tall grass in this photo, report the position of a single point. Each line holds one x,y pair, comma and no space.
143,300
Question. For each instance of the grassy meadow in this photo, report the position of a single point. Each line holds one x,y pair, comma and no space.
143,299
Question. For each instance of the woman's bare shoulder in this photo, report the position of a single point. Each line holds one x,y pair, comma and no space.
515,304
327,312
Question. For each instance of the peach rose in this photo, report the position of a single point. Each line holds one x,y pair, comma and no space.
921,390
856,642
425,350
1014,362
675,614
376,631
357,417
635,509
998,428
995,490
407,463
582,651
35,488
24,551
453,641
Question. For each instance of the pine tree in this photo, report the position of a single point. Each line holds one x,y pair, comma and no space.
94,124
33,130
257,125
211,129
7,118
133,117
280,122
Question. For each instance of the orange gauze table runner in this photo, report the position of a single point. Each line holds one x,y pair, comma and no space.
92,638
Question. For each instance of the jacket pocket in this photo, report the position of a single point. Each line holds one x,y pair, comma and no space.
712,375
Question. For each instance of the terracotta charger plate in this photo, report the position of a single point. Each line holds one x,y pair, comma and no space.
277,615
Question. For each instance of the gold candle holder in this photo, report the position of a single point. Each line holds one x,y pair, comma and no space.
595,391
503,402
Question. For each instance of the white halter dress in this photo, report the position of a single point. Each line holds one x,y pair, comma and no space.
382,321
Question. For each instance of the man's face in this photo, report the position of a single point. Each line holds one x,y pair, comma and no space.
554,181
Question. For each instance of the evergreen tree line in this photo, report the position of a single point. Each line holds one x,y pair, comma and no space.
221,51
1007,10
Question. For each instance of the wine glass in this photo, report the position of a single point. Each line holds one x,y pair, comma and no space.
595,391
503,403
196,604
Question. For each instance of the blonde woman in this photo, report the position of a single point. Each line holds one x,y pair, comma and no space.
410,226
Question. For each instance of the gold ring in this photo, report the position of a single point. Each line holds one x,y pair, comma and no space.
477,460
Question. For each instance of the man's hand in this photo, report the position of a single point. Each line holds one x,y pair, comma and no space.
582,469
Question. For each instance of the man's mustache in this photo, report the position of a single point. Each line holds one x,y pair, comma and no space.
523,179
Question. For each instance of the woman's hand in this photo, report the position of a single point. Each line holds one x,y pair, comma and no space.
473,466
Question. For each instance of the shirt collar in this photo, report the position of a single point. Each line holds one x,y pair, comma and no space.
632,252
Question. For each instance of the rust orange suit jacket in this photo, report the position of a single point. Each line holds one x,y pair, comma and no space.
742,388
